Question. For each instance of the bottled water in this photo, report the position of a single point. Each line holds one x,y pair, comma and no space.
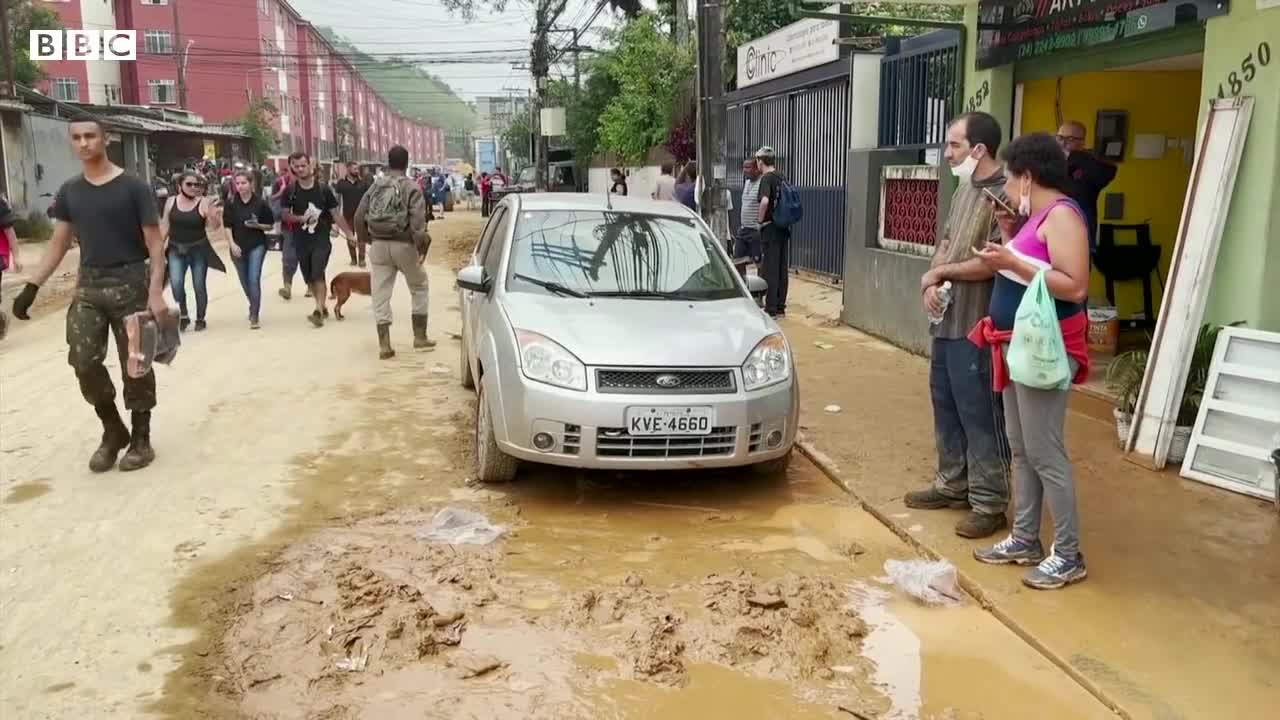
944,297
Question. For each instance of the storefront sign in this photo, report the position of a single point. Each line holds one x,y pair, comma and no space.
1013,30
798,46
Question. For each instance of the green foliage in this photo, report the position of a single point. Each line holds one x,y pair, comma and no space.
411,90
515,139
256,124
1126,371
584,107
648,68
25,16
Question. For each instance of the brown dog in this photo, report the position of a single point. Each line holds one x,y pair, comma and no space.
346,283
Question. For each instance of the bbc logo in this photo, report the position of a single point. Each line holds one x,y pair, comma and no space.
84,45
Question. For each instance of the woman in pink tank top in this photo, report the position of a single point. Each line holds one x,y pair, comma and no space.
1051,237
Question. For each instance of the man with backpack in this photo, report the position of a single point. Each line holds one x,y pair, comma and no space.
393,217
779,210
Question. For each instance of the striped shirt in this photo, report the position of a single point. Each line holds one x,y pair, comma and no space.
970,225
750,203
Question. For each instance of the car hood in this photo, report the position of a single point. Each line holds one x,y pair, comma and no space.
644,333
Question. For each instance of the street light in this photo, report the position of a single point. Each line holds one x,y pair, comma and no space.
247,91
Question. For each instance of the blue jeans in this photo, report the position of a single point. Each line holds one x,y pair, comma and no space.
199,265
249,268
969,426
288,256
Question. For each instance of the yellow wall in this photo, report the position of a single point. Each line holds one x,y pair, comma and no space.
1158,103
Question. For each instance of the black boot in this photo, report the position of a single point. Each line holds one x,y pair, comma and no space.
115,437
139,454
384,342
420,340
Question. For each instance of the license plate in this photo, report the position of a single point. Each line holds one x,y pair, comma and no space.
670,420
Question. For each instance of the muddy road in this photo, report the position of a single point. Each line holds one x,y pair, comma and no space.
275,561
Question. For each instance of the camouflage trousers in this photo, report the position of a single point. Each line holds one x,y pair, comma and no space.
103,298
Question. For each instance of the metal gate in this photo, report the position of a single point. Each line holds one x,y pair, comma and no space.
921,81
805,119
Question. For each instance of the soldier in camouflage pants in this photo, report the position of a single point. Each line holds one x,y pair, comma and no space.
103,298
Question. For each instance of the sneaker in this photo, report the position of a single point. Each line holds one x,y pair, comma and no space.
316,318
931,499
980,525
183,324
253,323
1055,572
1011,551
201,325
286,293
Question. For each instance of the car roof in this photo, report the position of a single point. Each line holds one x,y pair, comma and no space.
600,202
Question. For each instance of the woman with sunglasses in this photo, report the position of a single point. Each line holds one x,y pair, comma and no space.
188,217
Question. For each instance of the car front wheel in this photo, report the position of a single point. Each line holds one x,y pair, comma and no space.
492,465
774,467
464,361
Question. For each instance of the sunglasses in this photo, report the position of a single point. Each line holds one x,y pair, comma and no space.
1067,138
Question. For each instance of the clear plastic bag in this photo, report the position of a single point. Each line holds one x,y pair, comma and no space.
932,581
457,526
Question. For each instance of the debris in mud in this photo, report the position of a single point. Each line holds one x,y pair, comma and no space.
656,652
768,602
832,409
849,549
822,345
933,582
457,526
474,666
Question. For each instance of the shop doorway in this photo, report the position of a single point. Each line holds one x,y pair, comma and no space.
1142,120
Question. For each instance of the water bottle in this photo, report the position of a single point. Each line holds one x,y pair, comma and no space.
944,296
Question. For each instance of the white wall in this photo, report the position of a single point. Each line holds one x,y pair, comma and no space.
98,15
864,101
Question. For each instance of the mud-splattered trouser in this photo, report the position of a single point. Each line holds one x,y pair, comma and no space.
386,258
102,300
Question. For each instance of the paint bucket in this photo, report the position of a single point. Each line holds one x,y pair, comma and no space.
1104,330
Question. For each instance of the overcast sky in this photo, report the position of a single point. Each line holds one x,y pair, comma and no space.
423,29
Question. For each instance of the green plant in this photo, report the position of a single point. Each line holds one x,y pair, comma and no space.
25,16
257,124
35,227
648,68
1126,371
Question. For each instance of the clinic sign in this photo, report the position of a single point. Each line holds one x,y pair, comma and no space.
798,46
84,45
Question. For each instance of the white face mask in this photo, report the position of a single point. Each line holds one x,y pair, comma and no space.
965,169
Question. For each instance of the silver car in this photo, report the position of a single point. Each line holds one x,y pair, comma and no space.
613,332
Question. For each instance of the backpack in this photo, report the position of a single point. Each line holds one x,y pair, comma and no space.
387,213
789,209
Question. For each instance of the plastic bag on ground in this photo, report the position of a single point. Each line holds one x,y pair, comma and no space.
932,581
457,526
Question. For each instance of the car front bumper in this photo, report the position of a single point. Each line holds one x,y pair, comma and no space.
589,428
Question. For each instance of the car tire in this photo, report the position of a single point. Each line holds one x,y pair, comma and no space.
464,361
492,465
774,467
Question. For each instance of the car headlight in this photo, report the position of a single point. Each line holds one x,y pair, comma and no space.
768,364
545,361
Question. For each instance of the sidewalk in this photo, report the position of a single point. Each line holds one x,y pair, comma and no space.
1180,616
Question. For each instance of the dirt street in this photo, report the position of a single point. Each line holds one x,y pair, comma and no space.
274,561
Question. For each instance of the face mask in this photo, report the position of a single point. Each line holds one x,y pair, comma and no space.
965,169
1024,201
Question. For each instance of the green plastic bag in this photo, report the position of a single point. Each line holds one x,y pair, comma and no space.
1037,354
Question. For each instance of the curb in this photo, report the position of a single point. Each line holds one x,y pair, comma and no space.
968,584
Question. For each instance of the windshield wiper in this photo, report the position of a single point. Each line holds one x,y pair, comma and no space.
554,287
672,295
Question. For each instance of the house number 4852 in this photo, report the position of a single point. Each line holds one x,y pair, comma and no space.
1236,80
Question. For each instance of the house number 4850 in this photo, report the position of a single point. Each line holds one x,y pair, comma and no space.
1248,71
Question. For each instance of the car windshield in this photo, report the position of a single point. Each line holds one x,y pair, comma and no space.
603,254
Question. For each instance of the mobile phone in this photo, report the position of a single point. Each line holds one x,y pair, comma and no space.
999,201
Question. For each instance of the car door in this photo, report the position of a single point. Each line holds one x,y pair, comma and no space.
473,302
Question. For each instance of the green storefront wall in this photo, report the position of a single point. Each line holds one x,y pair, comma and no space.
1246,282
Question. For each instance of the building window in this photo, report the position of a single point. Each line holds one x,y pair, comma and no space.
264,7
163,92
67,89
158,42
113,94
155,2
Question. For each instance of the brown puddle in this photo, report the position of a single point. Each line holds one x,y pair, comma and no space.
24,492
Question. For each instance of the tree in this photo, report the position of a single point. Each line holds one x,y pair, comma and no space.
25,16
257,123
647,67
515,139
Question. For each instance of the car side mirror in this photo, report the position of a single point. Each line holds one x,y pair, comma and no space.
474,278
757,285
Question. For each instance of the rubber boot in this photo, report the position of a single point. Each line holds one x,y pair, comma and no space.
420,340
115,437
384,342
139,454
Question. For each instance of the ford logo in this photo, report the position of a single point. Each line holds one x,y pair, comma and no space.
668,381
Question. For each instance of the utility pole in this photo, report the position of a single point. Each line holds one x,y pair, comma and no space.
711,118
180,56
682,21
10,88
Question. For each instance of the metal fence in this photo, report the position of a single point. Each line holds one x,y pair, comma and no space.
921,82
806,121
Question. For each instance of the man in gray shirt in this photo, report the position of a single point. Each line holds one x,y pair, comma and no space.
747,243
968,417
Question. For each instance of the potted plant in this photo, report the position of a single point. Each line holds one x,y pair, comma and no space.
1124,378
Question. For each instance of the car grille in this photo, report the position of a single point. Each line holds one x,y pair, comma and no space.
572,439
617,442
754,438
677,382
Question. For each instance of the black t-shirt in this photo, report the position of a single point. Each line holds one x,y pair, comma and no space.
238,211
322,197
108,218
770,187
350,192
1087,177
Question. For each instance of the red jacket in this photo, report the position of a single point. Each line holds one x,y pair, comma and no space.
1075,330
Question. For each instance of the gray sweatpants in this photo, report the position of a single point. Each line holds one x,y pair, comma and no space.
385,260
1035,421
